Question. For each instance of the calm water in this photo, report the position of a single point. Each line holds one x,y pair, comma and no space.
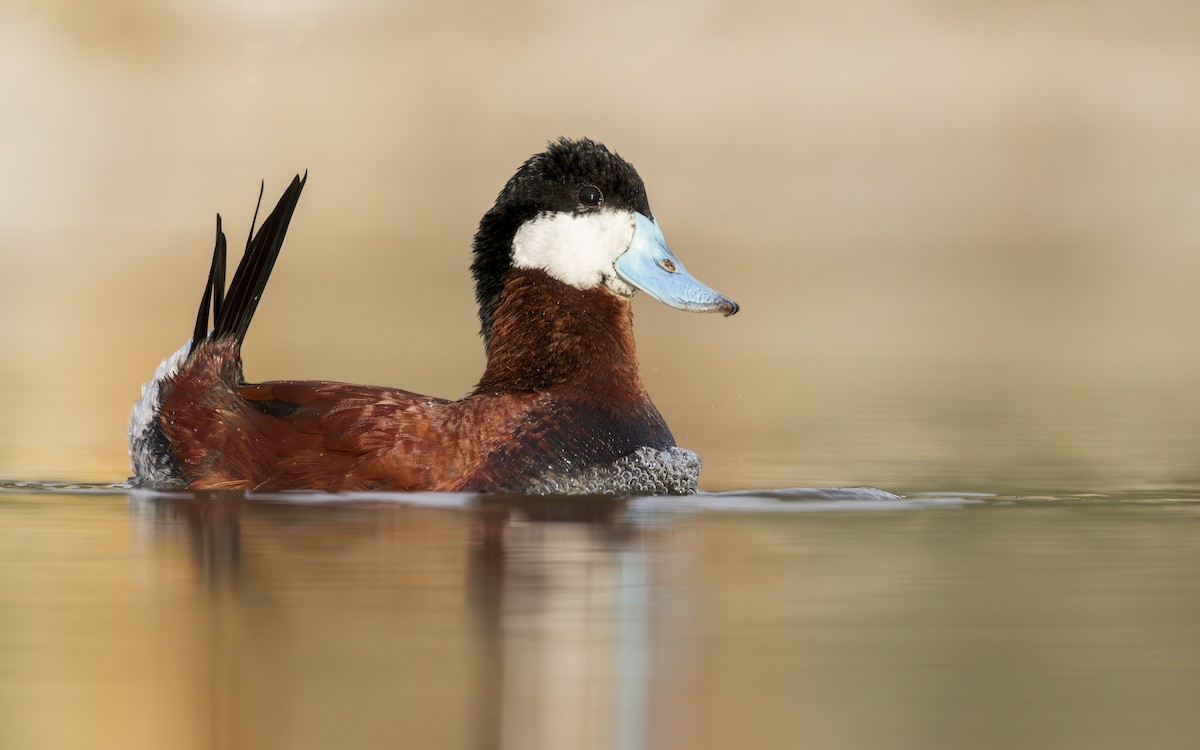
772,620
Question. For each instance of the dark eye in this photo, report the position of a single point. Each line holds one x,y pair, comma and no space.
589,195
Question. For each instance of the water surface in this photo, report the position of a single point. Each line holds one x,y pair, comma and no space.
766,620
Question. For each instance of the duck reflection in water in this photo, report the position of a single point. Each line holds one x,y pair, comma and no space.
514,621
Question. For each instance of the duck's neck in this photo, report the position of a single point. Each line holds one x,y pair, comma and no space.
546,333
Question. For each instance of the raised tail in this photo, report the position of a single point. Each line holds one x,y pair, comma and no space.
154,462
232,311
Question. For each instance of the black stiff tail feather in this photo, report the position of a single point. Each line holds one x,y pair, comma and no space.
232,311
214,290
218,273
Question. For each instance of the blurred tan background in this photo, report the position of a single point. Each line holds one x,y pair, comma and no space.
964,235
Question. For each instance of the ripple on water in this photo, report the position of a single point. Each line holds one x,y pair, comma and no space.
769,500
782,499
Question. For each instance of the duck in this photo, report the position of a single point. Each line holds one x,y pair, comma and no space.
560,406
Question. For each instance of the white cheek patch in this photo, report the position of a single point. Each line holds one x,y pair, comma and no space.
577,249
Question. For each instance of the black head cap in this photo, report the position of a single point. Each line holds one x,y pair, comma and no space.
554,180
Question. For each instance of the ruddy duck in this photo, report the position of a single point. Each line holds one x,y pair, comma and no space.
559,408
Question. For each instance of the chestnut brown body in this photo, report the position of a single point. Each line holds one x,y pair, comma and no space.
561,390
